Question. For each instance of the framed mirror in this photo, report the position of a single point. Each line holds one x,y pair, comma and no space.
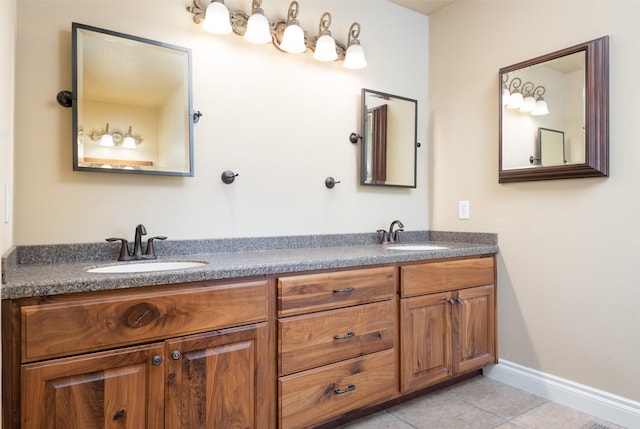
389,146
554,115
132,104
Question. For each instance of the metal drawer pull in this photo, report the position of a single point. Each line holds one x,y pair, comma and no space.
348,335
345,290
348,389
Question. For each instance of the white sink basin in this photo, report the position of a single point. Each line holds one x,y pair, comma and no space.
415,247
145,267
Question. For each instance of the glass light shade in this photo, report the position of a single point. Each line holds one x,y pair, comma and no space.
258,29
129,142
528,104
354,57
217,19
540,109
106,140
505,96
293,39
325,49
515,101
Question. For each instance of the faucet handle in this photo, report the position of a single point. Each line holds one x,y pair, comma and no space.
124,248
384,236
151,252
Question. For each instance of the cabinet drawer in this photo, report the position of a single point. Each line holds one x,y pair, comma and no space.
317,395
313,292
75,324
443,276
316,339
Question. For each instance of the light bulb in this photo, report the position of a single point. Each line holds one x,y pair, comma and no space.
217,19
258,29
325,48
354,57
293,39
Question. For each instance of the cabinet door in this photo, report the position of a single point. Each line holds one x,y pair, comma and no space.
426,340
120,389
214,380
474,342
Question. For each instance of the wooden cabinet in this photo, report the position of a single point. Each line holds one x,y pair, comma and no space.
115,389
447,320
337,344
294,351
217,380
205,361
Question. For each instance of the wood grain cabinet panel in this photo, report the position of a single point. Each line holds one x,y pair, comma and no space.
449,332
312,397
77,324
426,347
118,389
317,339
314,292
218,380
440,276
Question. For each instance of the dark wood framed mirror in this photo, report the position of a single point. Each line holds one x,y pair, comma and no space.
389,146
132,110
567,93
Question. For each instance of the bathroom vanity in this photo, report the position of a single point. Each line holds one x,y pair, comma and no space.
287,338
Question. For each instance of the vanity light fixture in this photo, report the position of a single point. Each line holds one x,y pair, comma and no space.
531,102
528,102
515,97
541,107
293,40
116,138
354,57
258,28
325,49
286,34
217,19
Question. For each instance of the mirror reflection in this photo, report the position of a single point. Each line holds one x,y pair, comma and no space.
554,115
132,112
389,140
545,96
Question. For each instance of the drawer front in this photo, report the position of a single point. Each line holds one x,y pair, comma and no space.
443,276
72,325
318,395
316,339
314,292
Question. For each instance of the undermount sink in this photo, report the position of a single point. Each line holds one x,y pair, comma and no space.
415,247
145,267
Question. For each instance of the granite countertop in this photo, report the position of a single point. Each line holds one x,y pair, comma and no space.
61,269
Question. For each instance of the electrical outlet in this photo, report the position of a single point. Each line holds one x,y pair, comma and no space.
463,209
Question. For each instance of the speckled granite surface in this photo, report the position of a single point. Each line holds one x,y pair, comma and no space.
60,269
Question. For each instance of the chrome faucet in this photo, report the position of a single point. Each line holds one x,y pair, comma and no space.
391,236
125,253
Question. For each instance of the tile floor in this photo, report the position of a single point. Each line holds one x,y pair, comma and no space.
480,403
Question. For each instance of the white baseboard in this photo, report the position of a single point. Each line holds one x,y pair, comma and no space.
613,408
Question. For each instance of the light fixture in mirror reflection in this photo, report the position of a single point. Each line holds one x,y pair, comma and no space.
554,115
138,83
389,146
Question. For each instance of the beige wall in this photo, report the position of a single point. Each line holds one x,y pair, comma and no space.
281,121
7,76
570,249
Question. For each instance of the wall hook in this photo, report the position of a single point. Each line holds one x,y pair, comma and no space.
196,116
228,176
330,182
353,138
65,98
